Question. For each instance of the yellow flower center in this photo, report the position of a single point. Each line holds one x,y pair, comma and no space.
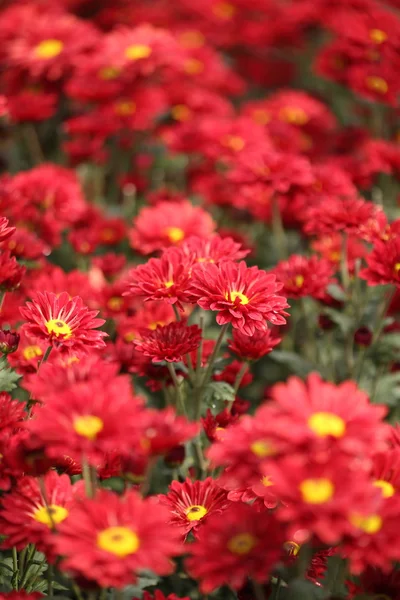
267,481
180,112
31,352
397,268
193,66
378,36
196,512
291,548
115,303
317,491
294,115
233,296
153,326
138,51
124,108
242,543
175,234
234,142
299,280
59,328
49,49
109,73
120,541
262,448
224,10
326,423
261,116
50,515
387,488
370,524
88,426
130,336
192,39
377,84
168,284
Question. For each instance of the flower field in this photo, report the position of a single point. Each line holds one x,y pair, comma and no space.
200,299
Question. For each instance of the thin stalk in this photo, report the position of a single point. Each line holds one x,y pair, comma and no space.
258,590
200,351
176,312
2,298
45,357
344,269
33,144
87,477
50,580
15,568
278,230
238,381
214,355
180,404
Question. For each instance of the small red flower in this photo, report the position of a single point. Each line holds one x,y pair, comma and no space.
213,250
170,342
5,230
192,503
302,276
111,539
62,321
339,214
27,517
12,413
255,346
11,272
168,224
244,296
383,263
238,544
166,278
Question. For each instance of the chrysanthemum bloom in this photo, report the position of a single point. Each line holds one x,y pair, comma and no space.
321,414
191,503
62,321
302,276
27,517
168,224
5,230
383,263
373,539
28,354
214,426
21,595
166,278
12,413
86,421
317,497
348,215
253,347
240,544
244,296
213,250
386,471
162,430
11,272
262,493
111,539
170,342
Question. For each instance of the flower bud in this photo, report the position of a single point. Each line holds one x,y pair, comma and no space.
9,341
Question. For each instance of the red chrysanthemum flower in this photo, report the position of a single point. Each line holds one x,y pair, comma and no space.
166,278
317,496
253,347
11,272
62,321
111,539
21,595
321,414
213,250
191,503
86,421
348,215
163,430
302,276
30,351
12,413
238,545
27,517
5,230
244,296
214,426
168,224
386,472
170,342
383,263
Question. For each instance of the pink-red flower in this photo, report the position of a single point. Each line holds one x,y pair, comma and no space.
111,539
62,321
169,343
383,263
302,276
244,296
253,347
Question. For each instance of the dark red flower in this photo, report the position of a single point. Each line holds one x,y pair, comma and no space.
383,263
255,346
170,342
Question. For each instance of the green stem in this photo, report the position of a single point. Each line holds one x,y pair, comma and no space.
50,580
258,590
87,477
45,357
238,381
15,568
176,312
214,355
278,230
2,298
344,270
180,406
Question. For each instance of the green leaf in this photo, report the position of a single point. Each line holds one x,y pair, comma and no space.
387,390
343,321
145,581
8,377
218,392
337,292
299,589
298,365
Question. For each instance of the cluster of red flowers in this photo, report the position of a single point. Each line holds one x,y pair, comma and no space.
199,299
